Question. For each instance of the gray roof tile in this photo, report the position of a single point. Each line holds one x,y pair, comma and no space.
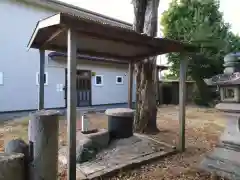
80,12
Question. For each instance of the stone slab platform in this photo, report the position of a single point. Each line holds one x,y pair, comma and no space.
119,155
223,161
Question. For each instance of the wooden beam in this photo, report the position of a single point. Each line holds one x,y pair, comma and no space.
53,36
89,53
130,84
40,80
135,58
117,39
71,104
182,104
160,88
90,58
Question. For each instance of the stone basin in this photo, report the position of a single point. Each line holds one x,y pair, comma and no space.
99,137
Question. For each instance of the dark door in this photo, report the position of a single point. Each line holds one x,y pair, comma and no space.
167,94
83,88
83,84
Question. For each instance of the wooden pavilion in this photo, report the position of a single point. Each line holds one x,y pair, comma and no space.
77,35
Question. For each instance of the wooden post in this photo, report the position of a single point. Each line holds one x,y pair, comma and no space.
71,104
44,137
157,85
41,80
161,91
182,103
130,84
160,86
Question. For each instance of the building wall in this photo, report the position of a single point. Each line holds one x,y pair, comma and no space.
19,90
110,92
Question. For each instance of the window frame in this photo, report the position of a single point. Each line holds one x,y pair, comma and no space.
1,78
38,78
95,80
119,83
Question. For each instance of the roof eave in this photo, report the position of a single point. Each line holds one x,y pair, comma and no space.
50,21
142,46
59,6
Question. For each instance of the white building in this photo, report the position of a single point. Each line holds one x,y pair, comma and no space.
98,82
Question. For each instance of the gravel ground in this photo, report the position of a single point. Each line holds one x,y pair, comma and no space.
203,127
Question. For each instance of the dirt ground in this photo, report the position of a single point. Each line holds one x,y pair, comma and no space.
203,127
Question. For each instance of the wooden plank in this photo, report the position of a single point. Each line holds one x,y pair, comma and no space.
71,105
134,163
182,104
130,84
41,80
155,140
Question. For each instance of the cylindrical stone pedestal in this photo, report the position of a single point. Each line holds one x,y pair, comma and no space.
12,166
43,137
13,148
120,122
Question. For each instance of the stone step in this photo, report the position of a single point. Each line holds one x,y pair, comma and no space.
224,162
225,154
229,145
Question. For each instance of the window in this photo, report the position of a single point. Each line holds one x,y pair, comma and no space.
99,80
228,93
45,78
1,78
119,80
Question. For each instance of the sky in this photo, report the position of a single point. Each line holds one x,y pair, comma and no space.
123,10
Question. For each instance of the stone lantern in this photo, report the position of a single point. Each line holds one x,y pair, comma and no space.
224,161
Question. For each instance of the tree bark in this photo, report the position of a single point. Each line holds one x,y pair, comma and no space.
146,16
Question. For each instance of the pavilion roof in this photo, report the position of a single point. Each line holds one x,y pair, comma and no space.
99,39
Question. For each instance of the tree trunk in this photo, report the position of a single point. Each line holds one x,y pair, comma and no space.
146,19
203,90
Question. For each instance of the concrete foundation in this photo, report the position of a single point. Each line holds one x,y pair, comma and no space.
119,155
